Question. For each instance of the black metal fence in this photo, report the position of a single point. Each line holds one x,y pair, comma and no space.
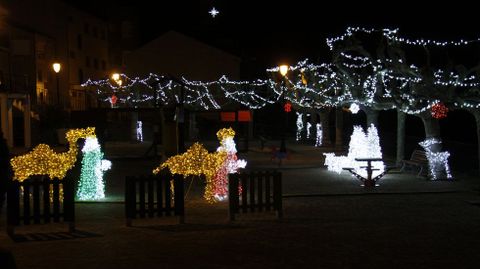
38,199
151,196
255,192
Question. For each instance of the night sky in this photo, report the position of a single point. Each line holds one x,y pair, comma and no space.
266,33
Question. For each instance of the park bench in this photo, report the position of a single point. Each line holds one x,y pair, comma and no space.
151,196
38,200
418,159
368,181
261,191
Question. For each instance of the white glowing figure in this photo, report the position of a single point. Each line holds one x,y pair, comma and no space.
139,131
319,135
354,108
91,185
230,147
361,146
230,166
214,12
437,161
309,126
299,126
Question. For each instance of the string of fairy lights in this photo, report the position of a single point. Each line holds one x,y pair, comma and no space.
361,79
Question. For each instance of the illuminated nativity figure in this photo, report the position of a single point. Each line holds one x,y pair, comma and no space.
215,166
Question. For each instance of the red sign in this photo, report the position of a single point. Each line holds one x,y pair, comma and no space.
244,115
113,100
227,116
287,107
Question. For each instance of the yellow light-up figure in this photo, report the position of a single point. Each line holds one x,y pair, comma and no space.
42,160
197,161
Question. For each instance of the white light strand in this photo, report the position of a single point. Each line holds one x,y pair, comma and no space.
299,126
319,135
309,126
139,131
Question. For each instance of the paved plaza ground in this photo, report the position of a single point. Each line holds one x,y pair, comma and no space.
330,221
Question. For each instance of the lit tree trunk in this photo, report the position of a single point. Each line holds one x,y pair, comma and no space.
432,129
400,136
325,120
476,113
339,127
372,116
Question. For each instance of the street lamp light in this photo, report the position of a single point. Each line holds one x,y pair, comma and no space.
56,68
116,76
283,69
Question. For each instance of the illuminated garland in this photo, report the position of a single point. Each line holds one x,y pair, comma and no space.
91,185
359,79
392,36
42,160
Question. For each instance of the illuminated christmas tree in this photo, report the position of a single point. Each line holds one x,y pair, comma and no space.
91,185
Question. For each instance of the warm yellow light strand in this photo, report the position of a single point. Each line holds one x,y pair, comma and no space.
42,160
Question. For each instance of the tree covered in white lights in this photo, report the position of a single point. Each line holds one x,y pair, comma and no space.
378,69
91,185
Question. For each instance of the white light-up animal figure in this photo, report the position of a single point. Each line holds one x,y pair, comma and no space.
437,161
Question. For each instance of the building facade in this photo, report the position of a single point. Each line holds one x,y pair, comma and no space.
33,36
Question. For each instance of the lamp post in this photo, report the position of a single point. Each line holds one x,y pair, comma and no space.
56,68
283,147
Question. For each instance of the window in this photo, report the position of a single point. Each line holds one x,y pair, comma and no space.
79,41
80,75
95,63
104,65
87,61
86,28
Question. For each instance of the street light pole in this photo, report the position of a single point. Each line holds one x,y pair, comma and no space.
56,68
283,147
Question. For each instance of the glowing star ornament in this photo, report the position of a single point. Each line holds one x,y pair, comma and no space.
213,12
354,108
91,185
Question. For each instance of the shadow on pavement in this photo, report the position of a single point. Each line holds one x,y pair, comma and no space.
54,236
